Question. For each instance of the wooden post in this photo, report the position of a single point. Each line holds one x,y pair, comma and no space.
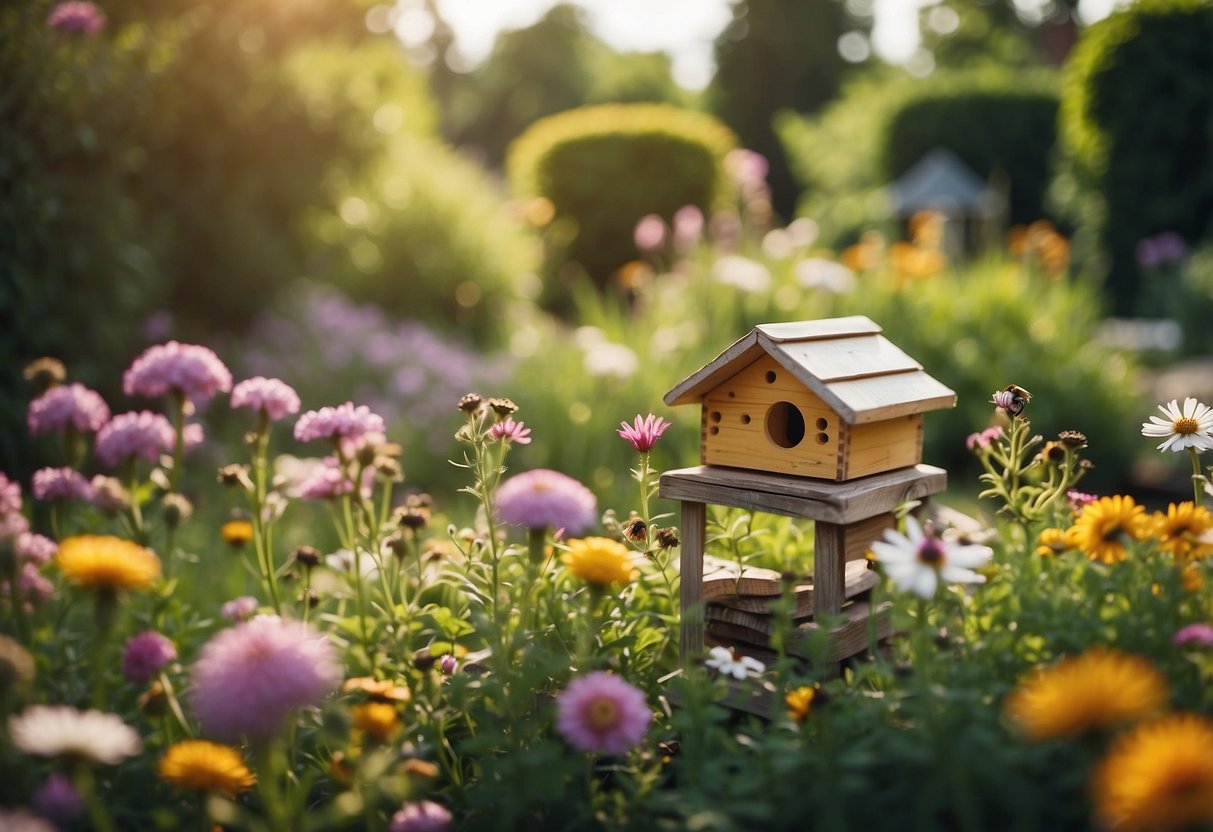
694,537
829,566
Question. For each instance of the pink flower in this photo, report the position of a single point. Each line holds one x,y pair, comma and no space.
330,480
10,496
342,422
192,370
602,712
1078,500
508,429
688,227
146,654
36,549
143,434
649,233
239,609
61,484
67,406
983,439
425,816
271,396
448,664
12,526
545,498
747,169
76,17
193,435
35,587
644,432
1200,635
247,679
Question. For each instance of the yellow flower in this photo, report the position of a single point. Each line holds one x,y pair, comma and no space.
237,532
1052,542
600,561
107,563
1191,579
380,690
799,702
1157,776
376,719
1182,531
1100,688
205,766
1103,527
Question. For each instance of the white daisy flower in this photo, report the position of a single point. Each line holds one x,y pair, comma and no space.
1187,428
725,660
917,562
61,731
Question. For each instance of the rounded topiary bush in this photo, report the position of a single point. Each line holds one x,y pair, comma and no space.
1137,127
605,167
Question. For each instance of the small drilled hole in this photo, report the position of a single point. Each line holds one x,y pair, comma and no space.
745,418
823,438
822,424
732,395
713,430
770,376
715,415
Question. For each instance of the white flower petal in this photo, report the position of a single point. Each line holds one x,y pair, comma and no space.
969,556
960,575
887,553
925,583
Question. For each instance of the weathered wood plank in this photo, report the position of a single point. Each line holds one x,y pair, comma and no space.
755,589
736,356
882,446
830,502
829,561
694,538
842,359
820,328
851,637
873,399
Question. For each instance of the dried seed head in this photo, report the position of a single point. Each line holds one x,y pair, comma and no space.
470,403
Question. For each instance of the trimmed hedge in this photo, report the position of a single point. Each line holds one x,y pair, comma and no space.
605,167
1137,125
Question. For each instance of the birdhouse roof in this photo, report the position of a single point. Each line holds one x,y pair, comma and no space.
846,362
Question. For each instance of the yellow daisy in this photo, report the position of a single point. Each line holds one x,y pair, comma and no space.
799,702
205,766
1052,542
600,561
107,563
237,532
1158,776
1098,689
1182,531
1105,525
378,720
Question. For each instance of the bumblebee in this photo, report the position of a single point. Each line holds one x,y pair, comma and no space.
1019,399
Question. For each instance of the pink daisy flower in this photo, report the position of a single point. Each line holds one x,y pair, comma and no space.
644,431
508,429
1199,635
76,17
247,679
342,422
61,484
546,498
67,406
602,712
424,816
275,398
190,369
142,434
146,654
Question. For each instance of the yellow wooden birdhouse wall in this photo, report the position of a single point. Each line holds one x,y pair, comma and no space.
831,399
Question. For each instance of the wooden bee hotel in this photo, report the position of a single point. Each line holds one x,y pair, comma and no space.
816,419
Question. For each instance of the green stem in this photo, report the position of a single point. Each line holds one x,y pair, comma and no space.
105,611
1198,491
179,402
99,818
269,785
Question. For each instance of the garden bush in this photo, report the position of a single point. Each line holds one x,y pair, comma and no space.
605,167
1135,118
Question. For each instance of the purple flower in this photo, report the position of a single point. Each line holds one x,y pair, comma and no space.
142,434
425,816
57,800
61,484
546,498
34,587
76,17
330,480
983,439
342,422
192,435
508,429
1199,635
239,609
247,679
10,496
146,654
448,664
67,406
602,712
35,549
650,233
644,432
271,396
192,370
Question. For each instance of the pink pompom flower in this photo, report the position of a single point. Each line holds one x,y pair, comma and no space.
61,484
644,431
248,678
271,396
423,816
76,17
67,406
35,549
1197,635
134,434
192,370
239,609
602,712
344,422
508,429
146,654
10,496
544,498
649,234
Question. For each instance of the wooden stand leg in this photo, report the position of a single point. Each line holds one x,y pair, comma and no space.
694,537
829,567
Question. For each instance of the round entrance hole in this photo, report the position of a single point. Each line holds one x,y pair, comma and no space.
785,424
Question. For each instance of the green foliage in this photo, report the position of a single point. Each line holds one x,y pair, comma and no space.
605,167
1135,118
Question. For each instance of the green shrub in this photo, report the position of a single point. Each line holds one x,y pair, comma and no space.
1136,116
605,167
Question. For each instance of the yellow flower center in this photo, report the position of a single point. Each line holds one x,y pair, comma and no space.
1186,426
602,713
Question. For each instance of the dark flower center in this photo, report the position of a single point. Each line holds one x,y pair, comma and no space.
930,552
